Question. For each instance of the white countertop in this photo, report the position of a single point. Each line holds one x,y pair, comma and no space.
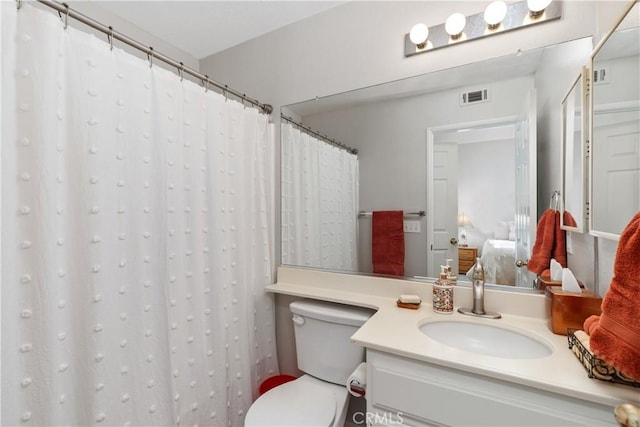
396,330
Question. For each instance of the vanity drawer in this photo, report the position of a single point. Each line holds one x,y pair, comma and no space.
466,258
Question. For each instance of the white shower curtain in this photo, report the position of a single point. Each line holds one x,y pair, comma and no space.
319,202
137,230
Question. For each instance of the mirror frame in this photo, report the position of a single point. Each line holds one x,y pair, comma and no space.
582,82
596,50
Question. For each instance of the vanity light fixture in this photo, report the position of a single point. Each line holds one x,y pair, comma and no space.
537,7
495,13
455,25
419,35
498,18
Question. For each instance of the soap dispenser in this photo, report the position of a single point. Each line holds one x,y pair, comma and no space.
451,277
443,293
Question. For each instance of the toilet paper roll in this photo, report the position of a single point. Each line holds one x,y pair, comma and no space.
357,381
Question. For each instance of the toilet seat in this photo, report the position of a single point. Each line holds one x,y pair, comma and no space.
296,403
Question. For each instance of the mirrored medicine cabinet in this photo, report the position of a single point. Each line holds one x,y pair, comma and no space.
573,156
614,195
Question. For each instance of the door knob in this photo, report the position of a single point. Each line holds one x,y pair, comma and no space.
453,241
627,415
520,263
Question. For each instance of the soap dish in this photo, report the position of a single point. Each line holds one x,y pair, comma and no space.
596,367
412,306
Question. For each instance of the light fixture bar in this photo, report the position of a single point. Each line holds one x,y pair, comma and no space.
518,16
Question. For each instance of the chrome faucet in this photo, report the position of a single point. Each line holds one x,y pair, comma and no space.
478,294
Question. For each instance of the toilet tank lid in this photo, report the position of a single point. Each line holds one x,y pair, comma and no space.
331,312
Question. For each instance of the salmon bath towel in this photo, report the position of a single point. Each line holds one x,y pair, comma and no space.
615,337
388,242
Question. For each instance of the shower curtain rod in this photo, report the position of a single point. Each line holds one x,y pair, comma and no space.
319,135
65,12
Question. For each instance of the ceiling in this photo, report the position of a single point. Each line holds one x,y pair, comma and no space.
202,28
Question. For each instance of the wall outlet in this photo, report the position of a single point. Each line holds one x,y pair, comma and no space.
411,226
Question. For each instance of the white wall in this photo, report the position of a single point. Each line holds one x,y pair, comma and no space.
486,183
361,44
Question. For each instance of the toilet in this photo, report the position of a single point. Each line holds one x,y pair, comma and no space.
327,357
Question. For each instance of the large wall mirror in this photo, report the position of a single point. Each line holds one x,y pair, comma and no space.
615,140
574,165
482,115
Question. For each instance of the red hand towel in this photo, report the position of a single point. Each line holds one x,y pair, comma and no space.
559,252
616,337
569,220
388,242
542,248
550,242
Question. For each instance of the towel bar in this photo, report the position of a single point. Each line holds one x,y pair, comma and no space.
419,213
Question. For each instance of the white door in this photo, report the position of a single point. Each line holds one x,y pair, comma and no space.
526,193
618,173
445,208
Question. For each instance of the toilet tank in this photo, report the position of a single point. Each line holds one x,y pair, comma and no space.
323,344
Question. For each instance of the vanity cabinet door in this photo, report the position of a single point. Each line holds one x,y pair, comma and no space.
423,394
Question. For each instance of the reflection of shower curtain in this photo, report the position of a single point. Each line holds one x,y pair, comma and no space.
319,202
136,239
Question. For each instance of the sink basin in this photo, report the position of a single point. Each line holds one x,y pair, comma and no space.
485,339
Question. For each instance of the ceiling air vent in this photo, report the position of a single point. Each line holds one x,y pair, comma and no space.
474,96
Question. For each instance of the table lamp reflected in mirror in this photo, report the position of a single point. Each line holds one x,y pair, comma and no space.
463,224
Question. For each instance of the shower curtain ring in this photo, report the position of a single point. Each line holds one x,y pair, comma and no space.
150,56
224,92
110,38
18,4
206,88
66,15
180,69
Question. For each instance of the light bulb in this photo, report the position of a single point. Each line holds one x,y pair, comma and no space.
495,13
455,25
537,7
419,35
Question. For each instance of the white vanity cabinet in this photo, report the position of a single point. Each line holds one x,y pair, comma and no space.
403,391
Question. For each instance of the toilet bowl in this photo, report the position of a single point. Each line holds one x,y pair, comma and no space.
327,356
306,401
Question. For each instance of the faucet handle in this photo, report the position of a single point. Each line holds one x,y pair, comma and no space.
478,270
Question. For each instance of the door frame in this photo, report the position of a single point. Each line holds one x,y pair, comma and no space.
431,133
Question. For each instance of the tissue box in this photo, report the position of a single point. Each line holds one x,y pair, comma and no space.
569,310
545,281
